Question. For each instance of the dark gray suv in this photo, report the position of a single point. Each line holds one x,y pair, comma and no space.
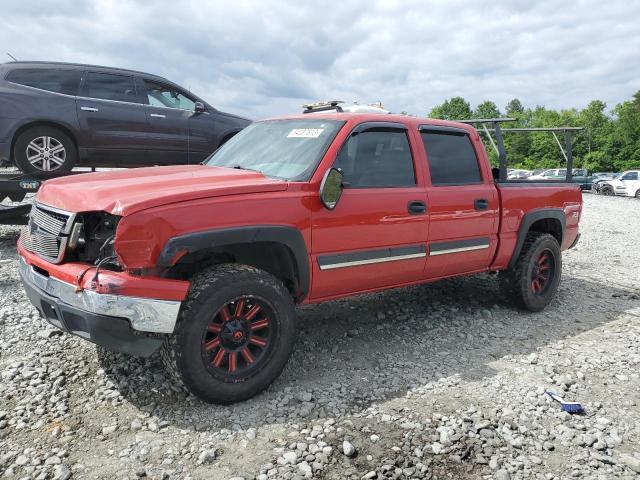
54,116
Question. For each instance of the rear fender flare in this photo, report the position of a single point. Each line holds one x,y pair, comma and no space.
528,220
285,235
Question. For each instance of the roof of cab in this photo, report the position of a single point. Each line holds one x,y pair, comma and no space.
356,118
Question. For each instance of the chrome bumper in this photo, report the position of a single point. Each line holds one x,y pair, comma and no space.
144,314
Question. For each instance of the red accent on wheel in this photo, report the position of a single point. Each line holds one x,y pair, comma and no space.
230,345
212,344
258,341
542,272
247,355
252,312
218,358
260,324
239,308
233,361
214,327
224,314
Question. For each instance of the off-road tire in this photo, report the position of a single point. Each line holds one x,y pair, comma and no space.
60,137
210,290
516,282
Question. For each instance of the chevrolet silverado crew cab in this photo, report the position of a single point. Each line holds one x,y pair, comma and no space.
205,263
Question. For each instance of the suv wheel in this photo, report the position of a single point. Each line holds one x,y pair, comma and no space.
533,281
44,149
234,336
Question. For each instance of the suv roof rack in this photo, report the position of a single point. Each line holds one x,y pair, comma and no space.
323,106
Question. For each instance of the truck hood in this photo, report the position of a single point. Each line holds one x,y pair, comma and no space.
123,192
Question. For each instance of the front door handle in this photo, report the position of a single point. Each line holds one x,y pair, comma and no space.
481,204
157,115
89,109
417,207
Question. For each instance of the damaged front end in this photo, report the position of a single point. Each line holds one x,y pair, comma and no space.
56,235
91,240
73,277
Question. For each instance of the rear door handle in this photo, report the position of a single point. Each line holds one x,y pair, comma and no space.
481,204
89,109
416,207
157,115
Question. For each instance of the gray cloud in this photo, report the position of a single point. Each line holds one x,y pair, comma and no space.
262,59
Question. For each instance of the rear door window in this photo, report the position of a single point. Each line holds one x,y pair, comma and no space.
108,86
52,80
451,157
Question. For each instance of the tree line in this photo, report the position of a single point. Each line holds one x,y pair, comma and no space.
609,141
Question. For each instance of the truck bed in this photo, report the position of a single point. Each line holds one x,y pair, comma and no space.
520,198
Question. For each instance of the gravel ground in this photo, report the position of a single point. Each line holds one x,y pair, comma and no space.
436,381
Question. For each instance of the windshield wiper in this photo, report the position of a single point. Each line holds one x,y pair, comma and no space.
240,167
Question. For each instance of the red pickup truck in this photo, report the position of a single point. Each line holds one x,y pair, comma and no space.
206,263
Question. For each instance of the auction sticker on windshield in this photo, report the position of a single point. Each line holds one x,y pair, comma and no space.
305,133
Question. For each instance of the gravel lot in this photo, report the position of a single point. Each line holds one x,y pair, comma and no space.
436,381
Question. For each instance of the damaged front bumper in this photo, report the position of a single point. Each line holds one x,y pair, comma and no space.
117,322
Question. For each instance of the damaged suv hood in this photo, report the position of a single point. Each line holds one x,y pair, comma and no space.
123,192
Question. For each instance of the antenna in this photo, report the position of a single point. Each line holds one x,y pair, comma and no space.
14,58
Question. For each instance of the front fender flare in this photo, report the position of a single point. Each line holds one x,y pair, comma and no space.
288,236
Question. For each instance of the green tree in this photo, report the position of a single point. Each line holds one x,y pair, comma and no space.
597,161
486,109
596,124
514,108
457,108
625,138
608,141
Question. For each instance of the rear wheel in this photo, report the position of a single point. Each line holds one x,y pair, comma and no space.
44,149
533,281
234,336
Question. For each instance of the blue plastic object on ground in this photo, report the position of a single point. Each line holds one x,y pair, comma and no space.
571,407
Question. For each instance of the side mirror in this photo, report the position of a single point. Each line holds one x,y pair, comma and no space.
199,107
331,188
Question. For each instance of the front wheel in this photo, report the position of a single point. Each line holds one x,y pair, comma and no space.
533,281
234,336
638,194
607,191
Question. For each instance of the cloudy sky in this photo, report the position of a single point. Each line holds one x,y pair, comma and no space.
262,58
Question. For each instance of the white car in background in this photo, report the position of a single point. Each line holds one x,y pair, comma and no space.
627,184
551,174
518,174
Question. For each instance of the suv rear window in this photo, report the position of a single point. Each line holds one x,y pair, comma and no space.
107,86
452,159
52,80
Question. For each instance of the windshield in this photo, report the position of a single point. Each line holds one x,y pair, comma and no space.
286,149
